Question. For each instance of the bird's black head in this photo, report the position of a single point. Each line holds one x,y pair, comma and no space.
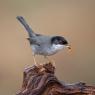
59,40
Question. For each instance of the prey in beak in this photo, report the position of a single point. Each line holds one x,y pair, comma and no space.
68,46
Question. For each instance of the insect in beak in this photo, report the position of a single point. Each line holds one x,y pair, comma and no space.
68,46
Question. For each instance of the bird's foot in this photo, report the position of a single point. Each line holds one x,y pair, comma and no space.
46,67
51,62
41,68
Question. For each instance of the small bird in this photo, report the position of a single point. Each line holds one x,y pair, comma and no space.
42,44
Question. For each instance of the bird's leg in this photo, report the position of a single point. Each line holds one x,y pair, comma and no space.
50,61
47,59
38,65
34,60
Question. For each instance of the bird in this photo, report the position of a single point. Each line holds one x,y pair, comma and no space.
45,45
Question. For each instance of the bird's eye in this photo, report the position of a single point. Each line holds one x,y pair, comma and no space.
65,42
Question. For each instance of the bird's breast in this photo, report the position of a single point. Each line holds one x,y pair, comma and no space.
41,50
46,51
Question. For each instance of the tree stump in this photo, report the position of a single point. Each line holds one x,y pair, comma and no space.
41,80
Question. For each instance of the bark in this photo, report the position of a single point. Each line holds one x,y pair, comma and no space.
41,80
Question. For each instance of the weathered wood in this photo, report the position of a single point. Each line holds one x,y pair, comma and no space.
42,81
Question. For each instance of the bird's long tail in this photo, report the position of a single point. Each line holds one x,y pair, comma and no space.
27,27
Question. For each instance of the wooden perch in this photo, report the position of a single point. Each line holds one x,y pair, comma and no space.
42,81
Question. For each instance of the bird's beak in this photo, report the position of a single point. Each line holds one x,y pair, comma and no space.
68,46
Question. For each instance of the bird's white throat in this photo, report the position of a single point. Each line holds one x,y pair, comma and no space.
57,47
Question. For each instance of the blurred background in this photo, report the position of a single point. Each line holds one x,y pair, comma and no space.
75,19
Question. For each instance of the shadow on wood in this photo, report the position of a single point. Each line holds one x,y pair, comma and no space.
42,81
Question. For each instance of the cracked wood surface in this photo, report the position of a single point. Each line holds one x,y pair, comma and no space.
41,80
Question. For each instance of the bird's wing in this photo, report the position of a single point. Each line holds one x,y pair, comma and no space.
34,40
40,40
27,27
